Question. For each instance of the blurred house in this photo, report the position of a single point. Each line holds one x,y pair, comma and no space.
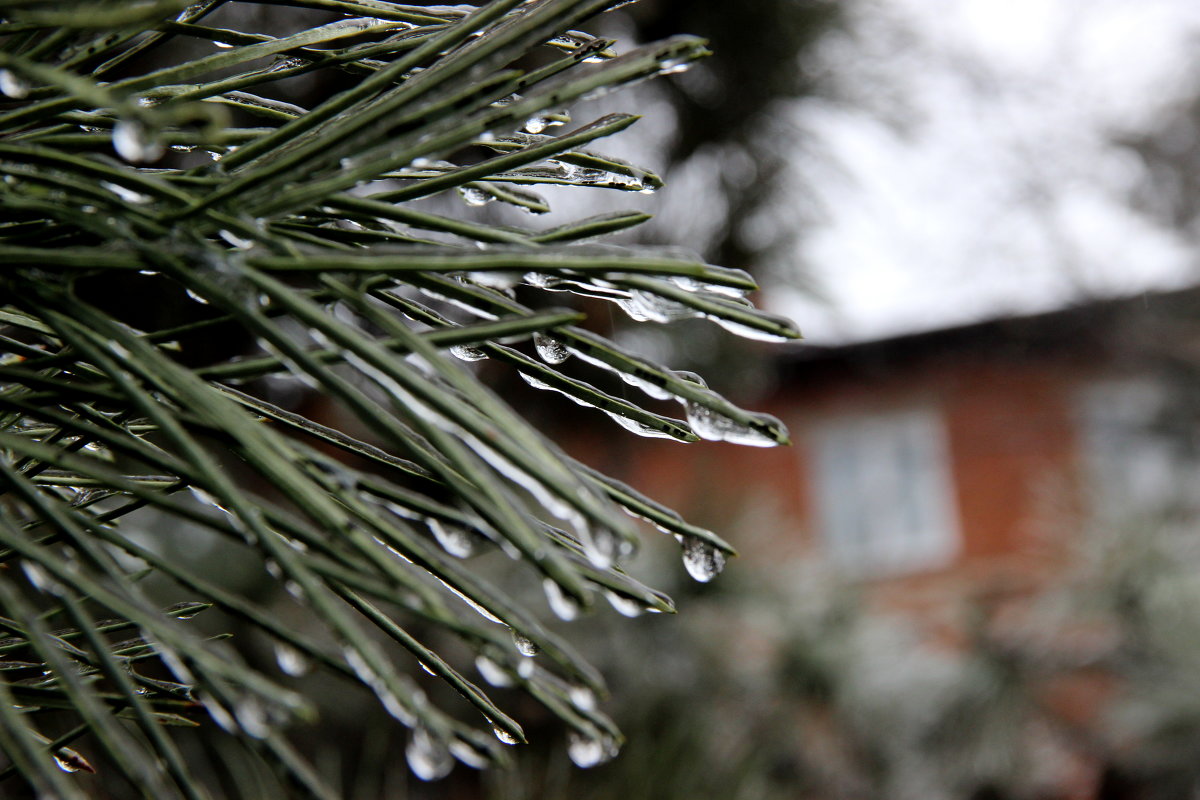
954,478
961,458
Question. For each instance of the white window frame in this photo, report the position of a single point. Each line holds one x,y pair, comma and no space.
883,492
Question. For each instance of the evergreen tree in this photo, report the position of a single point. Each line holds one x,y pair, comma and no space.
199,218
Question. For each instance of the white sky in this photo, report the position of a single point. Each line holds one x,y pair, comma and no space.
980,180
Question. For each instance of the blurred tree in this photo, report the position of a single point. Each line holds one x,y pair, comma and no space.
735,107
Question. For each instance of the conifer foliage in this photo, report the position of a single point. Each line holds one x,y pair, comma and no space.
149,162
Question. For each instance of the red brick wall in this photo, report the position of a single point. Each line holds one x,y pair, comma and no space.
1012,441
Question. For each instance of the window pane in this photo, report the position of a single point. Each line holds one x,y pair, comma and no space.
1133,464
883,491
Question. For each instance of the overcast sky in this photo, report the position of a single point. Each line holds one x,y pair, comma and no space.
968,170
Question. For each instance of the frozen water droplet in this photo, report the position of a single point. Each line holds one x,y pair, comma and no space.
590,176
526,668
587,752
600,545
702,560
541,280
467,754
582,698
538,383
454,540
128,195
133,142
496,279
401,511
747,332
240,242
624,605
571,39
64,764
222,45
483,612
649,307
83,497
70,761
525,645
473,196
466,352
641,429
651,389
429,758
198,299
690,377
370,678
252,718
551,350
97,449
504,736
536,124
290,660
562,604
673,66
691,284
492,672
717,427
220,716
426,668
40,579
288,63
13,85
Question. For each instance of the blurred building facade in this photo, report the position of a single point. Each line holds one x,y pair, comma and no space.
955,479
970,454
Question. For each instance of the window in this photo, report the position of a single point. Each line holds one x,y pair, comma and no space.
1137,449
884,493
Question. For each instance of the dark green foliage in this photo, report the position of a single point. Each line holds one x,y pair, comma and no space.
177,238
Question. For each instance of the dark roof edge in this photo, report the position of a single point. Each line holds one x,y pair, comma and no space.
1080,324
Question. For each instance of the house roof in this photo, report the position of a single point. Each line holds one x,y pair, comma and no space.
1130,327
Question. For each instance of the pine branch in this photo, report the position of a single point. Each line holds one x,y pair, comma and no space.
292,234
